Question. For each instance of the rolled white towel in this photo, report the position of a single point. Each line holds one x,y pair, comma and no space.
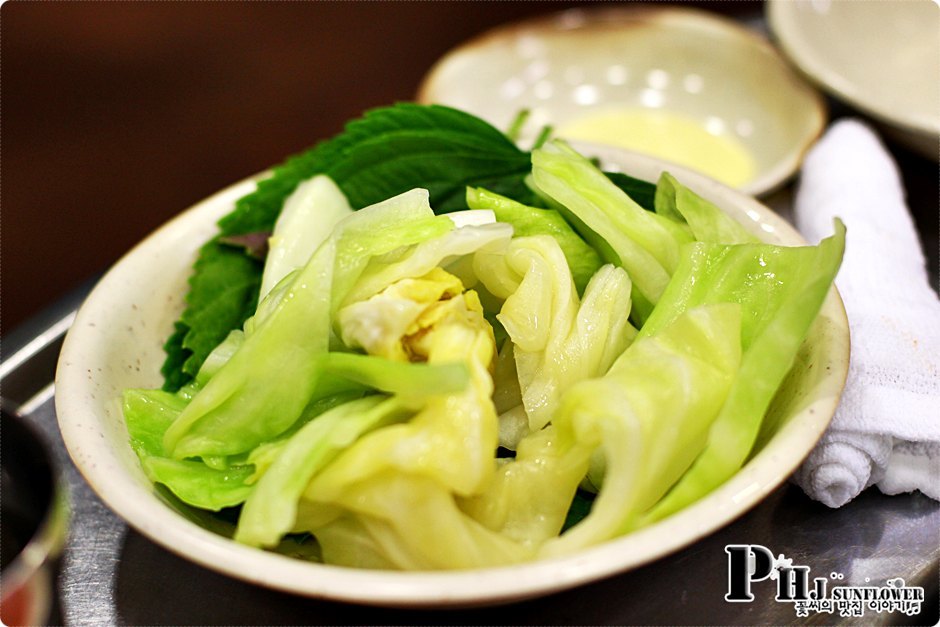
886,431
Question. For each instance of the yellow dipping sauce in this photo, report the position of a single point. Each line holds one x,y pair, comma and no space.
668,136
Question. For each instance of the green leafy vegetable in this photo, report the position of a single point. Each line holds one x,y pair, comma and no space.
648,416
223,290
392,150
582,259
642,192
263,388
558,338
270,511
501,379
707,222
174,376
387,152
645,244
780,290
148,414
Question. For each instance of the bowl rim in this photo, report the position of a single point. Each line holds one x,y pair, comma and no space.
815,69
139,506
766,181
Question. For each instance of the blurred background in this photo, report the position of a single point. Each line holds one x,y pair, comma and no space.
118,115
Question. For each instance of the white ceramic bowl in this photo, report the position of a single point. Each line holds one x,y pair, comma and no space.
116,342
882,58
718,77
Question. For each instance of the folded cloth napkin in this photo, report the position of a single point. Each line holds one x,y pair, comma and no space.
886,431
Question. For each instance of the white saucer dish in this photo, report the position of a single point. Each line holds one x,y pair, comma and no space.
674,68
116,343
882,58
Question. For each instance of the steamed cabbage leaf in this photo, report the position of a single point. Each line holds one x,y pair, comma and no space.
148,414
530,495
558,339
644,243
780,291
411,522
582,259
453,438
648,417
707,222
265,385
270,511
410,474
307,219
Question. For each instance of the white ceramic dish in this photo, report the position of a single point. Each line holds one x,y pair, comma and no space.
882,58
718,77
116,342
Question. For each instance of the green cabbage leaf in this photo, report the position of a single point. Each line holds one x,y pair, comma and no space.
648,417
305,222
707,222
265,385
582,259
644,243
780,291
558,338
